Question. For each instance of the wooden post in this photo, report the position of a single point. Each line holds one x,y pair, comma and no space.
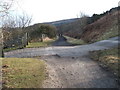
25,40
1,44
41,37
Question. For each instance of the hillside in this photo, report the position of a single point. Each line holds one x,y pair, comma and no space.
73,29
91,29
103,28
61,22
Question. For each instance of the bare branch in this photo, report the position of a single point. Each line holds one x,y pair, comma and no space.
24,20
5,6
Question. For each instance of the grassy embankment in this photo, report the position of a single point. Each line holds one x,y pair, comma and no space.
75,41
112,32
22,72
108,59
40,44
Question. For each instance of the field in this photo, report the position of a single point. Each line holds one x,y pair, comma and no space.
22,72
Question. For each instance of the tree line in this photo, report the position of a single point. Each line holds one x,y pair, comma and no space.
39,31
16,29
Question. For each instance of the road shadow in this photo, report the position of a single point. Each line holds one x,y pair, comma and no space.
62,41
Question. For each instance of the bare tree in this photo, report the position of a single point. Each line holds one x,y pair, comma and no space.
24,20
8,23
83,19
17,23
5,6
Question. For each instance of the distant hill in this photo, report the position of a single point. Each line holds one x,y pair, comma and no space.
32,28
61,22
54,23
73,29
97,27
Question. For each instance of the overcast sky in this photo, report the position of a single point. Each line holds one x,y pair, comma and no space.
52,10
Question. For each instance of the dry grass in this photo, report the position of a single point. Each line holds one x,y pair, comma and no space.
107,58
74,41
113,32
104,28
40,44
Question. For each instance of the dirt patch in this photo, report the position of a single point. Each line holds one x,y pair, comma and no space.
52,79
46,39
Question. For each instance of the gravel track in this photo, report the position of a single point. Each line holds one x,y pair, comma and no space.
71,67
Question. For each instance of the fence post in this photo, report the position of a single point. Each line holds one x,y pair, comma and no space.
26,36
1,44
25,40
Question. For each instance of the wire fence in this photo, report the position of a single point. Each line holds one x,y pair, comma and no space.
19,41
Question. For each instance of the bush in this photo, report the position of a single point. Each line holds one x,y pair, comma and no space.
43,29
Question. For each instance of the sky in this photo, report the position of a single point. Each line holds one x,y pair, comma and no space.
53,10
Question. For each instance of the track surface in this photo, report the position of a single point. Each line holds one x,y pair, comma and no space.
70,66
62,41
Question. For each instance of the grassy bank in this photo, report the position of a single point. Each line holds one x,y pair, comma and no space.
108,59
75,41
22,72
39,44
112,32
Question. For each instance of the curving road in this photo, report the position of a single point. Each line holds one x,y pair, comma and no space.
62,41
70,66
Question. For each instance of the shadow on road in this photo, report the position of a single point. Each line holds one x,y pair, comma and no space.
62,41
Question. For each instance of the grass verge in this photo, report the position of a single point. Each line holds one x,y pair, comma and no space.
12,48
39,44
75,41
31,45
22,72
108,59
